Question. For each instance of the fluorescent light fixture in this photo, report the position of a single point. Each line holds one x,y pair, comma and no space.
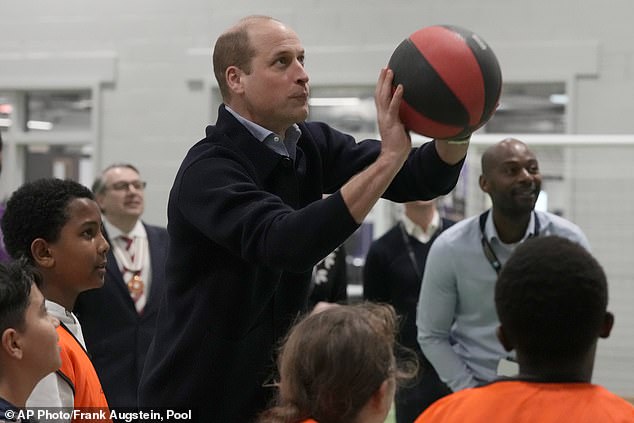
558,98
39,125
39,148
5,122
334,101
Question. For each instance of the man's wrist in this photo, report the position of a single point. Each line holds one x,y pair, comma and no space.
459,141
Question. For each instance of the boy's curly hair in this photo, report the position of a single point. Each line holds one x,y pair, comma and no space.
38,209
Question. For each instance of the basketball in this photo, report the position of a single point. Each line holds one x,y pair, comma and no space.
451,79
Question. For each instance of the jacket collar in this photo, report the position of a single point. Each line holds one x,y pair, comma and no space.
238,139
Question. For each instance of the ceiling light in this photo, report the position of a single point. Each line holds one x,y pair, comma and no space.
39,125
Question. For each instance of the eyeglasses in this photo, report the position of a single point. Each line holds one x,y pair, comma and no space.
125,185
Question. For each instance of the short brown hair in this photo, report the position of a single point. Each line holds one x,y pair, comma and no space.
233,48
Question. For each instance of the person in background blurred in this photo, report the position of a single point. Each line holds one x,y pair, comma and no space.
392,274
330,279
119,319
456,317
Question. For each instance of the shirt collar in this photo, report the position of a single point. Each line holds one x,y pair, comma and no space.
137,231
422,234
291,138
57,310
267,137
491,232
68,318
256,130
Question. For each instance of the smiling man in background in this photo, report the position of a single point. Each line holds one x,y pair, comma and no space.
456,315
119,319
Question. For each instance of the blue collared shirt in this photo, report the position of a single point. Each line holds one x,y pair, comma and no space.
456,315
286,147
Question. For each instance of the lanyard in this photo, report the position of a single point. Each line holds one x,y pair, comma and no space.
486,246
410,249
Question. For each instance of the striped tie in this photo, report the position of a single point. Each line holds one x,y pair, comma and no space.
135,284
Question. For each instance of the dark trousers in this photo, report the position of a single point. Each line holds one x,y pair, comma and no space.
413,398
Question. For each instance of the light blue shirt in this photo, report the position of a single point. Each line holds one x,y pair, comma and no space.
286,147
456,315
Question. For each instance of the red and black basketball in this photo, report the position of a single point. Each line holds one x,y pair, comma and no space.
451,79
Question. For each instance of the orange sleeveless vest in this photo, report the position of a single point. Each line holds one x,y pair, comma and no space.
78,371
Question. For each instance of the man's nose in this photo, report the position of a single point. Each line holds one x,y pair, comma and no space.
302,74
525,175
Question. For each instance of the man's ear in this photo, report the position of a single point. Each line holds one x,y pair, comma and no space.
233,76
504,340
484,184
99,200
41,253
606,327
11,345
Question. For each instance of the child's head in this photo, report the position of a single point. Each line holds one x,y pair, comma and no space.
56,225
30,348
551,298
336,362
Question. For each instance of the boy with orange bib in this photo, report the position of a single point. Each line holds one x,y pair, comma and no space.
56,225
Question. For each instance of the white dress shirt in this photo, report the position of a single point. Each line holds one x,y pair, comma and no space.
139,235
53,391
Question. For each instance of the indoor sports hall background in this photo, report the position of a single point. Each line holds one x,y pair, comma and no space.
87,83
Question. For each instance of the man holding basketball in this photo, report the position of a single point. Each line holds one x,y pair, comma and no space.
456,316
247,221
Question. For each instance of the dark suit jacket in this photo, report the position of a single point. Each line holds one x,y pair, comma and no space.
117,337
389,276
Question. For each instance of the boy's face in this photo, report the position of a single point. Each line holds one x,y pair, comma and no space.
80,251
39,337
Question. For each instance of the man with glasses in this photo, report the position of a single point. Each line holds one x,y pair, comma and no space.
119,320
